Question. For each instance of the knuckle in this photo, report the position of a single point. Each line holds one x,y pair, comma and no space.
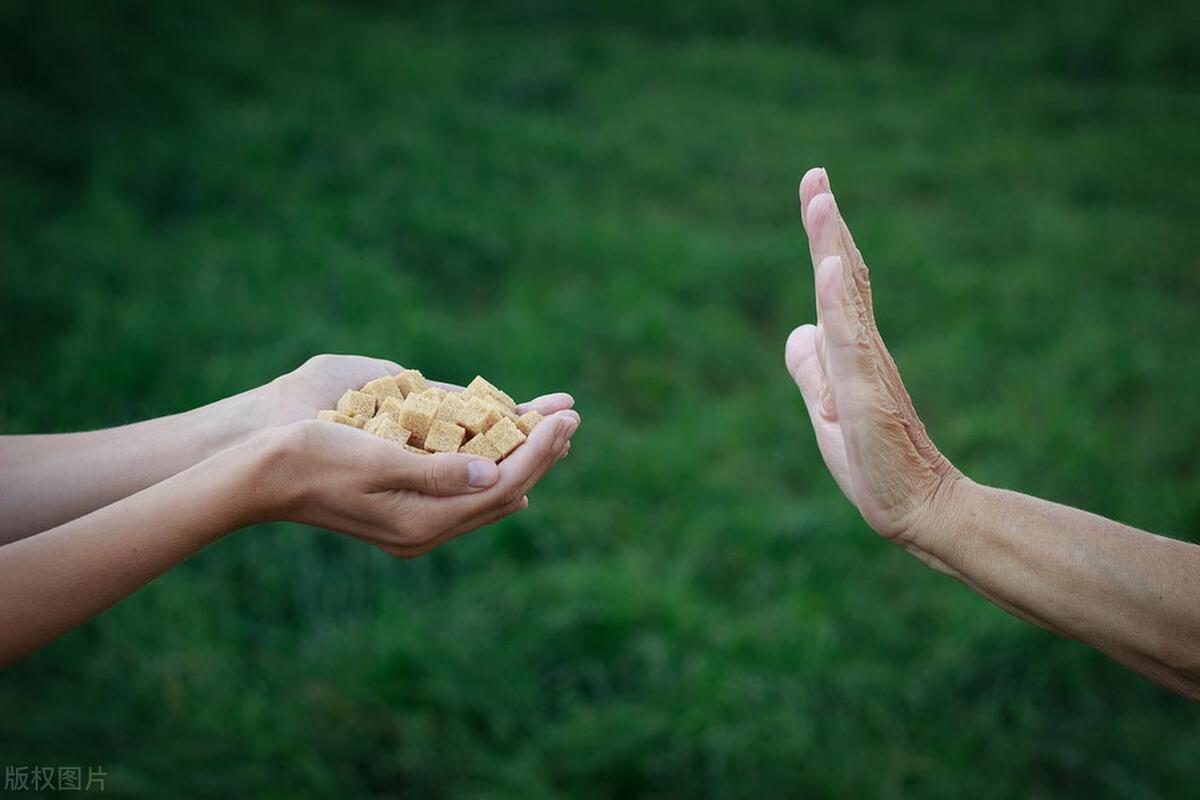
433,478
320,359
298,437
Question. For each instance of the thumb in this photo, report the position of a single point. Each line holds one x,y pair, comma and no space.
803,358
445,473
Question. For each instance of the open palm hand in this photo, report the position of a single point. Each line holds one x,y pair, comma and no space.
868,432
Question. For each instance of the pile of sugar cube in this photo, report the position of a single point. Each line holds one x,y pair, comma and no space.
428,419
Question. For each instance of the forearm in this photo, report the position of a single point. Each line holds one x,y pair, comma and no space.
54,581
1133,595
46,480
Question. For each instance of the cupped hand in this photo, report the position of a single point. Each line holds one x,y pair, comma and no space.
347,480
866,427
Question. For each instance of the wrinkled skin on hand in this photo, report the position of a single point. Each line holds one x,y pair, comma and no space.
867,430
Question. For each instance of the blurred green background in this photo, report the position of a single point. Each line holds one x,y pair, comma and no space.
196,196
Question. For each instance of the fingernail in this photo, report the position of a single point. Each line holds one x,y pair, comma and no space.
482,474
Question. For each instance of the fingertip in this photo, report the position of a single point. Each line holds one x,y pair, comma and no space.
569,424
814,182
820,210
813,178
800,344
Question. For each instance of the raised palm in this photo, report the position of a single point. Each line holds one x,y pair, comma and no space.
868,432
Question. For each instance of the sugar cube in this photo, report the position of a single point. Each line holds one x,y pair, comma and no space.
411,380
478,415
383,388
357,404
385,427
480,446
443,437
391,407
451,408
505,436
329,415
417,413
528,421
481,387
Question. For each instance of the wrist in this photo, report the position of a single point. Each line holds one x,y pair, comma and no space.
257,466
937,535
233,420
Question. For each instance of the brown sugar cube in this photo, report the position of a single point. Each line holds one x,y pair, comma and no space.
443,437
411,380
416,414
391,407
480,446
528,421
501,409
436,392
481,387
478,415
383,388
329,415
357,404
505,436
410,448
451,408
385,427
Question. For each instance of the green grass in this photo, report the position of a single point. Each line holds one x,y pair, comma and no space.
603,202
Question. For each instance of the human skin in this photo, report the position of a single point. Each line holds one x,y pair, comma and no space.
1133,595
124,505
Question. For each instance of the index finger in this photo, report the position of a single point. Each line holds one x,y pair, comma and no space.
829,236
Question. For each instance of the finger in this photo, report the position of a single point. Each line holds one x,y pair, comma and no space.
814,182
548,404
859,392
442,474
829,236
804,364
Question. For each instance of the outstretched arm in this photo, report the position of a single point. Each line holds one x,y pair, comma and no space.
316,472
1133,595
49,479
